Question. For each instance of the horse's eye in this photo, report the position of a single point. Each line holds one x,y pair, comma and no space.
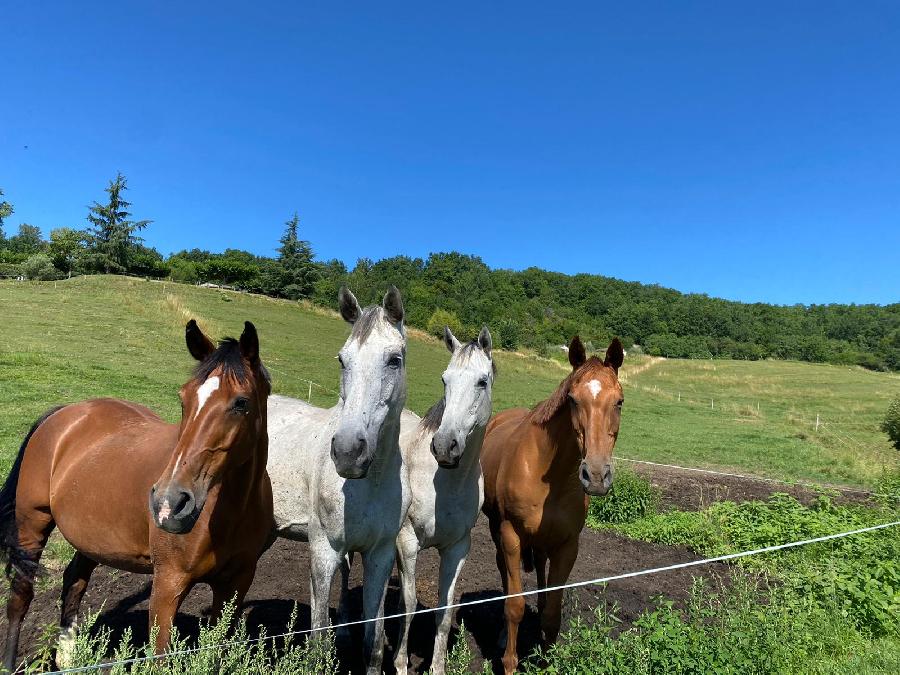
620,402
572,400
482,383
241,405
341,361
395,361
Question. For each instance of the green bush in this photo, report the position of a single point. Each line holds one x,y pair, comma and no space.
859,574
891,423
40,267
631,497
441,318
218,650
10,269
725,632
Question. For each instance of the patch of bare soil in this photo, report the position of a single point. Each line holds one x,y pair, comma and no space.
692,490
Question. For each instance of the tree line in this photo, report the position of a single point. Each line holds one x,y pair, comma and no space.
532,308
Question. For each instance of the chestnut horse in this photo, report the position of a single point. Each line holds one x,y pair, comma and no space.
89,469
540,468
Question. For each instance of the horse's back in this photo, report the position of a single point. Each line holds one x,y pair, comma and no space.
296,430
92,459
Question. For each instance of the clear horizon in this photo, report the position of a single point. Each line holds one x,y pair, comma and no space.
751,154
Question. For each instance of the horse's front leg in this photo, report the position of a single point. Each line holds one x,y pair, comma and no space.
561,562
407,552
343,617
232,589
377,564
514,608
170,588
453,558
323,564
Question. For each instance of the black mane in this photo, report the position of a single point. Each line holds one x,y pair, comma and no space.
227,356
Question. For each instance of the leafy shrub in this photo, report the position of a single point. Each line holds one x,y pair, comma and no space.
40,267
891,423
459,658
218,650
509,333
631,497
725,632
441,318
859,574
10,269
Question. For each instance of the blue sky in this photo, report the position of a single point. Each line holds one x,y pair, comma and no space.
749,151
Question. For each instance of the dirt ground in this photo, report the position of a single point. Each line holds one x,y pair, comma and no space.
692,490
282,579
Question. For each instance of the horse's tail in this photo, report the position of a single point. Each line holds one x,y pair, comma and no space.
17,559
528,559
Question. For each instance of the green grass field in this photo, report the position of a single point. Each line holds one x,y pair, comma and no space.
113,336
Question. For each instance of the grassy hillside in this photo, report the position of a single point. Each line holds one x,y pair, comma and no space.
110,336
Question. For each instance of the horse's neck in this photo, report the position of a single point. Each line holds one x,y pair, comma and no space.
388,446
245,481
470,462
559,450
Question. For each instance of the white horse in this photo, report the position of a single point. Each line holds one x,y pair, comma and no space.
337,476
442,453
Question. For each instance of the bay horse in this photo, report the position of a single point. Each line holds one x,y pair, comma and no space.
337,474
541,467
442,454
187,502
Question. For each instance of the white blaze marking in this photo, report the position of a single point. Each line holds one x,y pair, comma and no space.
164,511
175,470
204,391
594,386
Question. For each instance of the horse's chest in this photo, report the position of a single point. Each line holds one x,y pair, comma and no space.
359,514
444,516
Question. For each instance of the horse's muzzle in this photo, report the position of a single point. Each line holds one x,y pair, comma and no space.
351,457
596,486
174,510
446,454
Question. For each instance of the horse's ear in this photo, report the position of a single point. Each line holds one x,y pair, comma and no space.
198,344
485,340
249,343
393,305
350,309
577,355
450,340
615,355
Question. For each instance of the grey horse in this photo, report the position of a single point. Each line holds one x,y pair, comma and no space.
442,454
337,477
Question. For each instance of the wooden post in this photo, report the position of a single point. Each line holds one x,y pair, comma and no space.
817,422
309,396
712,404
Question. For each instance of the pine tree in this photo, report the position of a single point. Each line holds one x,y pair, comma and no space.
112,237
295,274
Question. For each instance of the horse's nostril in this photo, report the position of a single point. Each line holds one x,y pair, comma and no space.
585,474
184,501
